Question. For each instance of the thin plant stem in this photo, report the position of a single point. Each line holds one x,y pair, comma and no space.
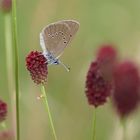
15,44
8,42
123,121
9,55
94,124
48,110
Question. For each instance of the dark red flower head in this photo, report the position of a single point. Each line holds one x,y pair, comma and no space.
36,64
6,5
3,111
107,58
106,52
126,92
97,89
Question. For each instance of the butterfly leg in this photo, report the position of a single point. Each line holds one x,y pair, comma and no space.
66,67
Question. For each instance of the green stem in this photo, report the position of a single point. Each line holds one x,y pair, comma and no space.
48,110
9,51
15,44
123,121
9,57
8,39
94,124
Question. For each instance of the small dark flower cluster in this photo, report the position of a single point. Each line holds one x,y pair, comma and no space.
36,64
126,94
98,82
107,59
97,89
3,111
6,134
107,77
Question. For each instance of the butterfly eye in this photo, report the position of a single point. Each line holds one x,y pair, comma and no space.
56,62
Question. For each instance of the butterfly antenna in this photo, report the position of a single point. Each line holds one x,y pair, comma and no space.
66,67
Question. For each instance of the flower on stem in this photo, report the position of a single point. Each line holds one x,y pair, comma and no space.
36,64
3,111
127,87
107,59
97,88
6,5
6,135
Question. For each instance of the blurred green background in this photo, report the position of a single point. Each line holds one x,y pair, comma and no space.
101,21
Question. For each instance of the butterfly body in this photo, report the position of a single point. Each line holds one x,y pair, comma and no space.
50,58
47,54
55,37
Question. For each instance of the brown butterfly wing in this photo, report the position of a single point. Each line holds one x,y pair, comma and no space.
73,25
56,37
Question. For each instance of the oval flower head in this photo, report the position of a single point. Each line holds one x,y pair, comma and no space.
3,111
107,59
127,88
37,66
97,88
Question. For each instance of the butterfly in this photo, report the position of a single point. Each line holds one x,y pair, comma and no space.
55,37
